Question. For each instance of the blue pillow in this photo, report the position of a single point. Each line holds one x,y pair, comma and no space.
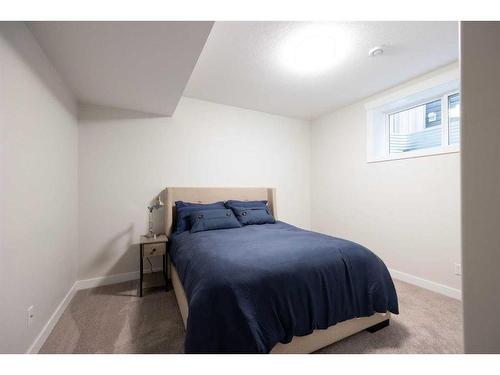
184,209
253,215
213,219
246,204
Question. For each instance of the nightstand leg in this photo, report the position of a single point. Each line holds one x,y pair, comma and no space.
169,268
141,272
165,272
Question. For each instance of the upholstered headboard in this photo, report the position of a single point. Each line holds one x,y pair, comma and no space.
209,195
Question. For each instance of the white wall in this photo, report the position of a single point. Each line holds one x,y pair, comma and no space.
481,185
406,211
38,188
73,198
126,159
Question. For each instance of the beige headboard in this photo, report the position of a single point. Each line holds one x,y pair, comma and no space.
210,195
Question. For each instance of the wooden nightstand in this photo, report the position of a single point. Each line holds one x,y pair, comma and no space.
152,247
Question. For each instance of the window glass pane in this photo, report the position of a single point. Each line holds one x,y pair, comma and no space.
433,114
415,128
454,118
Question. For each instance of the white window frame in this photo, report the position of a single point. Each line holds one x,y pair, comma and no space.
378,111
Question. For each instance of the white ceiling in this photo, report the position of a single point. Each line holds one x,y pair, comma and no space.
143,66
242,64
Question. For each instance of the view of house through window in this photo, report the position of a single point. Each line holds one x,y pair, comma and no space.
424,126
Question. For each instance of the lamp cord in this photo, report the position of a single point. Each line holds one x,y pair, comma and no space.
150,264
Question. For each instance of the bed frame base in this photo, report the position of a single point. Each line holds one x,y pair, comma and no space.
303,344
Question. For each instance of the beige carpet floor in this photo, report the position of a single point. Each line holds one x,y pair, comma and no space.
112,319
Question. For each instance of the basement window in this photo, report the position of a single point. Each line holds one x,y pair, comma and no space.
417,124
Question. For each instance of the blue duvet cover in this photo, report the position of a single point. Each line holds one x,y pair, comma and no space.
249,288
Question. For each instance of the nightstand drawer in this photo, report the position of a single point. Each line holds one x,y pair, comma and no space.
153,249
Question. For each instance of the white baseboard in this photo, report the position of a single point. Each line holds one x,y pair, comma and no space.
427,284
106,280
111,279
49,326
79,285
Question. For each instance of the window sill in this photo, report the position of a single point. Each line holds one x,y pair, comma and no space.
417,154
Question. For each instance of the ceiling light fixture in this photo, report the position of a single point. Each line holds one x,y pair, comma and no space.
314,49
376,51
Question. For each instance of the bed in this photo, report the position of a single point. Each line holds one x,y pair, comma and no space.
268,288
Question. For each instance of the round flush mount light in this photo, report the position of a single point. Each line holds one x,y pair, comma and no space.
376,51
313,50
